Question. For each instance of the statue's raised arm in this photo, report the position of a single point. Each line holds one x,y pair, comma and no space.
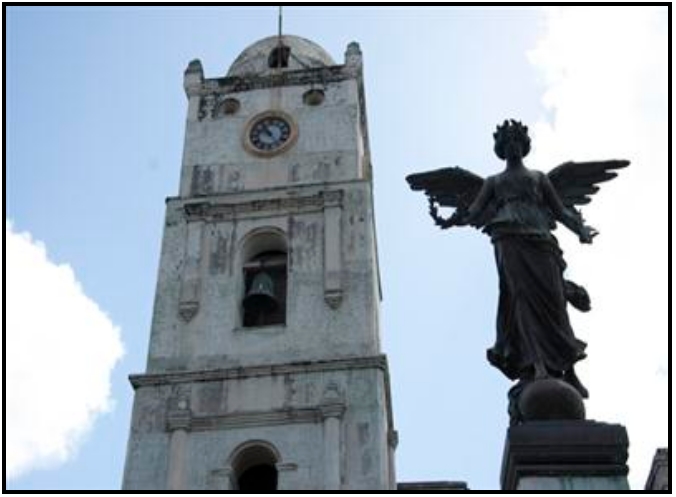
518,208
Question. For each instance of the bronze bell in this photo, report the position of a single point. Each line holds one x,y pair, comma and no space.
261,294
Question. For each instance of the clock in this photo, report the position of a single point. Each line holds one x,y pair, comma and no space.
270,133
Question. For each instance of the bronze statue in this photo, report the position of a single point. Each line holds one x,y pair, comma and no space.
518,208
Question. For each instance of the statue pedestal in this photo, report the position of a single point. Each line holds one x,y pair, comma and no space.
565,455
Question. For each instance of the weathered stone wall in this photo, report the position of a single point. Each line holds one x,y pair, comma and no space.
285,405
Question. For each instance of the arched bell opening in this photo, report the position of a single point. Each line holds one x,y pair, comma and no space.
265,280
255,467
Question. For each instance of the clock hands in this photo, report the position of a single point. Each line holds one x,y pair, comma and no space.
269,134
267,131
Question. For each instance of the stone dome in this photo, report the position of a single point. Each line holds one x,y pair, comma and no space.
260,58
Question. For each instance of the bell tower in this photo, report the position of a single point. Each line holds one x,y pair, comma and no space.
265,369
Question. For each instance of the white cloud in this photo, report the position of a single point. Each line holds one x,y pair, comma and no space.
606,75
61,349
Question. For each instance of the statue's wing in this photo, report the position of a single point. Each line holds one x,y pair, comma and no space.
449,187
576,182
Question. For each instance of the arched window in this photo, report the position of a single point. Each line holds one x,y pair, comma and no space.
265,280
255,467
279,57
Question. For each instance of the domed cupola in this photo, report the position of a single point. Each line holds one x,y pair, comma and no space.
290,53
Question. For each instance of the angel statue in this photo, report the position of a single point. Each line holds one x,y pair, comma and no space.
518,208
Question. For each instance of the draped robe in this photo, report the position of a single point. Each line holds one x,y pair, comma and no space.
532,320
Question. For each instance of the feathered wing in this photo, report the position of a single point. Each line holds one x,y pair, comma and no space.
449,187
576,182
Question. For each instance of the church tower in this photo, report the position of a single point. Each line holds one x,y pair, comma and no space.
265,369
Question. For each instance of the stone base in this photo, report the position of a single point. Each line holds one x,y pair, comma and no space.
565,455
432,486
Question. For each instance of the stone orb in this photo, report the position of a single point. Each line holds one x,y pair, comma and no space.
550,399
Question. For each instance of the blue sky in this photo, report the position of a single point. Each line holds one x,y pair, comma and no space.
95,120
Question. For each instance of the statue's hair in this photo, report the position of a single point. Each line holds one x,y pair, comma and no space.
511,129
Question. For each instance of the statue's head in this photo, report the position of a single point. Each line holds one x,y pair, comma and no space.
511,140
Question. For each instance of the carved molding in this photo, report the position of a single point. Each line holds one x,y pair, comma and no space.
158,379
318,76
257,418
333,402
332,198
188,310
214,210
191,276
333,266
332,410
179,419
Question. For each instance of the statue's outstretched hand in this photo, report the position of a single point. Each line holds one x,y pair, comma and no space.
458,218
587,234
454,220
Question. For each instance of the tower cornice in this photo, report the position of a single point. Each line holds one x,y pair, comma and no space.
177,377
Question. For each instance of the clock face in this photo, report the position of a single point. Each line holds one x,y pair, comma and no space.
270,133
